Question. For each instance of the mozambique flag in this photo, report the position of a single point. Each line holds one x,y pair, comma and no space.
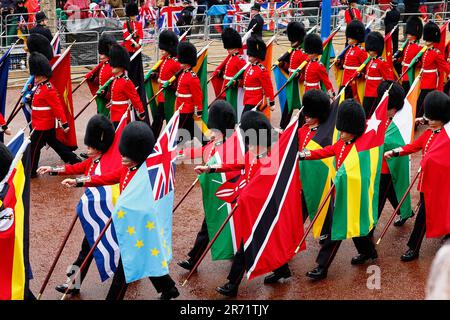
399,133
201,69
62,81
15,270
357,180
152,87
316,175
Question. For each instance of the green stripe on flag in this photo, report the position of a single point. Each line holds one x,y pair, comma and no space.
101,100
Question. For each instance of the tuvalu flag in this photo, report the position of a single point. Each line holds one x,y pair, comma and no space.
268,219
15,270
357,180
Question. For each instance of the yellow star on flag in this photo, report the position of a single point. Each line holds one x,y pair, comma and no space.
164,244
164,264
120,214
131,230
150,225
161,232
155,252
139,244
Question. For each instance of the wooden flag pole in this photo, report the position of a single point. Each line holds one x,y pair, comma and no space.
185,194
14,111
79,85
85,107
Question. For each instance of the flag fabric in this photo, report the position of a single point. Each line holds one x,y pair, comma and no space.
388,49
442,75
93,86
294,90
15,270
267,63
61,80
151,88
168,17
27,96
216,210
357,180
317,175
413,69
272,10
56,44
268,220
95,209
281,77
201,69
399,133
4,72
101,100
435,185
325,26
143,214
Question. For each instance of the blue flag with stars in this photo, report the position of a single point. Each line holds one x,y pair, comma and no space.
144,228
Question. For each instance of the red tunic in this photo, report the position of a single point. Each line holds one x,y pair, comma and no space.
257,84
339,150
104,73
313,74
423,143
356,13
377,70
305,134
86,167
296,59
2,123
189,92
123,91
409,52
46,107
433,62
135,39
233,65
205,152
169,66
121,175
354,58
250,166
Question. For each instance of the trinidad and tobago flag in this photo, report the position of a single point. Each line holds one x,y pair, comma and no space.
268,220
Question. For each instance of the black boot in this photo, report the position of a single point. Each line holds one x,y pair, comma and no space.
317,273
278,275
401,221
409,255
229,289
363,258
63,287
172,293
186,264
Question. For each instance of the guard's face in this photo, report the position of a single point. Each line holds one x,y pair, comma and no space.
410,37
215,135
311,122
252,59
164,53
352,41
373,54
116,70
93,153
312,56
127,162
103,57
428,43
435,124
346,137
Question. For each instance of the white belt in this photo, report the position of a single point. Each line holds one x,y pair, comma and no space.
119,102
252,88
162,81
227,78
40,108
309,84
374,78
350,68
405,64
181,95
429,70
292,70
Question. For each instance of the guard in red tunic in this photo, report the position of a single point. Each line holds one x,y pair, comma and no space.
257,82
352,13
433,65
414,29
232,42
437,111
377,70
168,43
3,127
189,94
314,72
98,139
291,61
135,145
122,88
46,108
355,55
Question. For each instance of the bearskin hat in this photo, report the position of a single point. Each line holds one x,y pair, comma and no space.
119,57
414,26
355,30
39,65
105,42
6,159
295,31
351,118
221,116
131,9
168,41
316,104
137,141
396,94
231,39
437,106
431,32
187,53
99,133
256,48
255,122
375,42
36,42
313,44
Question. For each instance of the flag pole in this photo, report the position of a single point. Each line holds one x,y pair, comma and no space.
85,107
316,216
58,255
210,245
185,194
88,257
399,205
79,85
14,111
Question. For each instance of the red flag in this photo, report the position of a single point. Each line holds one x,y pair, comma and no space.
268,220
217,80
94,73
441,47
436,185
62,81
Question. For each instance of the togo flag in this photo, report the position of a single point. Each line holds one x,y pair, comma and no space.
399,133
358,179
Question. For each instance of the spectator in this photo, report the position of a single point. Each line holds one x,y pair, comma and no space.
41,26
438,286
21,9
256,22
77,9
186,17
392,19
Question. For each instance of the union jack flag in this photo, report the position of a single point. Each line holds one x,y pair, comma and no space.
161,162
168,17
148,15
268,10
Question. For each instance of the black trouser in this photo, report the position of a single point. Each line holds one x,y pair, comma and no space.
369,106
187,123
158,119
85,248
115,124
247,107
348,92
415,240
285,117
237,270
201,242
329,247
136,75
38,141
406,86
119,286
420,101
